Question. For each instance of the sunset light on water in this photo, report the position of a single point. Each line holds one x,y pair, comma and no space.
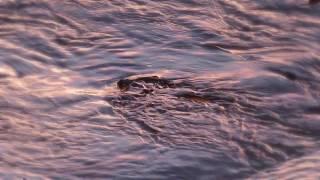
167,89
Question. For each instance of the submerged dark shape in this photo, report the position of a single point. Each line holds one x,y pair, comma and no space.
125,84
149,84
314,1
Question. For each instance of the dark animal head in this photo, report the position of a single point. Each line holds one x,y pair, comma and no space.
124,84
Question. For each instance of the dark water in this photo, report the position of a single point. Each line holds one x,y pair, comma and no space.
253,66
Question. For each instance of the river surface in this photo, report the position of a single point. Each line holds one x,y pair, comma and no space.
248,107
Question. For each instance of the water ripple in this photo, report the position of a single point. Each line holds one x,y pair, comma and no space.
242,99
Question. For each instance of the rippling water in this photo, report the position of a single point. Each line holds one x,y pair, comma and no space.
248,107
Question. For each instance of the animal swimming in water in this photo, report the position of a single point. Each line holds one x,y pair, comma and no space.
148,85
125,84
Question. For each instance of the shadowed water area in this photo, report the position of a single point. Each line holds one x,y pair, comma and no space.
166,89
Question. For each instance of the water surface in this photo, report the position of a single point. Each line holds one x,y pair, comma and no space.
253,65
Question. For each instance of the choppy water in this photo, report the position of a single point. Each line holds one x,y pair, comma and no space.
254,66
